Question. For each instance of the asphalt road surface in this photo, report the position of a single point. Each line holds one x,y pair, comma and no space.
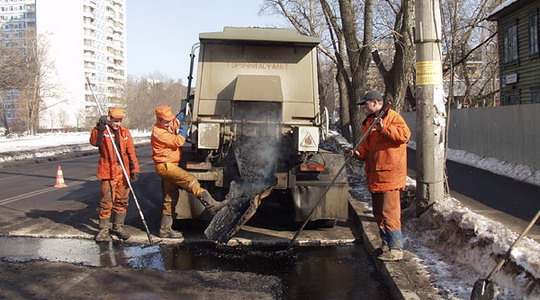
30,205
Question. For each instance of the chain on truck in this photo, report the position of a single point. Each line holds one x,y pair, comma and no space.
261,82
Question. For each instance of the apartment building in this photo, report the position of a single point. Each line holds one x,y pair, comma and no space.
84,39
16,17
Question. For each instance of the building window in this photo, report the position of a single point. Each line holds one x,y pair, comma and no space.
535,95
511,97
510,43
533,34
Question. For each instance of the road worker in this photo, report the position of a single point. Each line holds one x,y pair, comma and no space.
168,136
385,154
114,185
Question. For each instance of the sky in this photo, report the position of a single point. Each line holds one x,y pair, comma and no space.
160,34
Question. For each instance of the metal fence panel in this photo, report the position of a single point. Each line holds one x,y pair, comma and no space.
509,133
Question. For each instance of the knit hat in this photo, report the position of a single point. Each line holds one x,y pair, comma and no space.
116,112
370,95
164,112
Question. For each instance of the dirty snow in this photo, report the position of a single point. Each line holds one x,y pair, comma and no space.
437,239
449,262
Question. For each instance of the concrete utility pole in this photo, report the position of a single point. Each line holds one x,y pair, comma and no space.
430,108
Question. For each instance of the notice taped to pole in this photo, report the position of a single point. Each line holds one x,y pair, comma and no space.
428,72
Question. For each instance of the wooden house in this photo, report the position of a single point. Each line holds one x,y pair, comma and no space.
519,53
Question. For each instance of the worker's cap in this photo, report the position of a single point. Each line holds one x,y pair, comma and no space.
164,112
370,95
116,112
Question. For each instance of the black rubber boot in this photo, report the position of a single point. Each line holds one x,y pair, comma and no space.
210,204
118,227
166,231
103,234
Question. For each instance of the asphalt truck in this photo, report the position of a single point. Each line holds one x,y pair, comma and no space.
256,116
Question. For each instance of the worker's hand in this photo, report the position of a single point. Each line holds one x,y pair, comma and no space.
102,123
354,153
379,126
135,177
183,130
183,118
180,116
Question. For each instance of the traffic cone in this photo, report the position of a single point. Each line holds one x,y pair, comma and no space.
60,178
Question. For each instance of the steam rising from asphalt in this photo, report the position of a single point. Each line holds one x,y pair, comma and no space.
257,146
256,158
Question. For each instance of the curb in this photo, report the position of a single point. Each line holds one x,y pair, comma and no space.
405,279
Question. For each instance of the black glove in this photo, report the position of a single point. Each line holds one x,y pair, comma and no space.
135,177
102,122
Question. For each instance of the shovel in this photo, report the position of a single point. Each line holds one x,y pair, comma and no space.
485,289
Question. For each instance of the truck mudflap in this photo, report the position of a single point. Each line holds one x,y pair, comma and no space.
244,199
306,193
334,206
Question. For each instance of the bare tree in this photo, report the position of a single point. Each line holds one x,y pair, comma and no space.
398,77
471,64
148,92
12,77
37,85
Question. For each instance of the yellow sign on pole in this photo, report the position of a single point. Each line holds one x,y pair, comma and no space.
428,72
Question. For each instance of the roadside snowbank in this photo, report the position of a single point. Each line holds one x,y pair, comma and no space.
457,246
52,144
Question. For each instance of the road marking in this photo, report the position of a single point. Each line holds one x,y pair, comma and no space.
42,191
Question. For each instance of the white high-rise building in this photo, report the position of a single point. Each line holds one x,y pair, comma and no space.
86,39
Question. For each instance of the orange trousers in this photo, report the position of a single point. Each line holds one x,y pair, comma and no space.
114,194
174,177
387,213
387,209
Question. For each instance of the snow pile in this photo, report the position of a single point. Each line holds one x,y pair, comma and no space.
457,246
492,235
474,244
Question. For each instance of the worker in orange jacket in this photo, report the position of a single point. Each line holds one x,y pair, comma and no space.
114,185
168,136
385,154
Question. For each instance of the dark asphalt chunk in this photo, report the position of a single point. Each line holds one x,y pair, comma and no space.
256,159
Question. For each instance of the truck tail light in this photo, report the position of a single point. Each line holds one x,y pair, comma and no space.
311,167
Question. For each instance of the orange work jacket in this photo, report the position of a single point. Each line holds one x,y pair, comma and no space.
167,143
107,155
385,153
